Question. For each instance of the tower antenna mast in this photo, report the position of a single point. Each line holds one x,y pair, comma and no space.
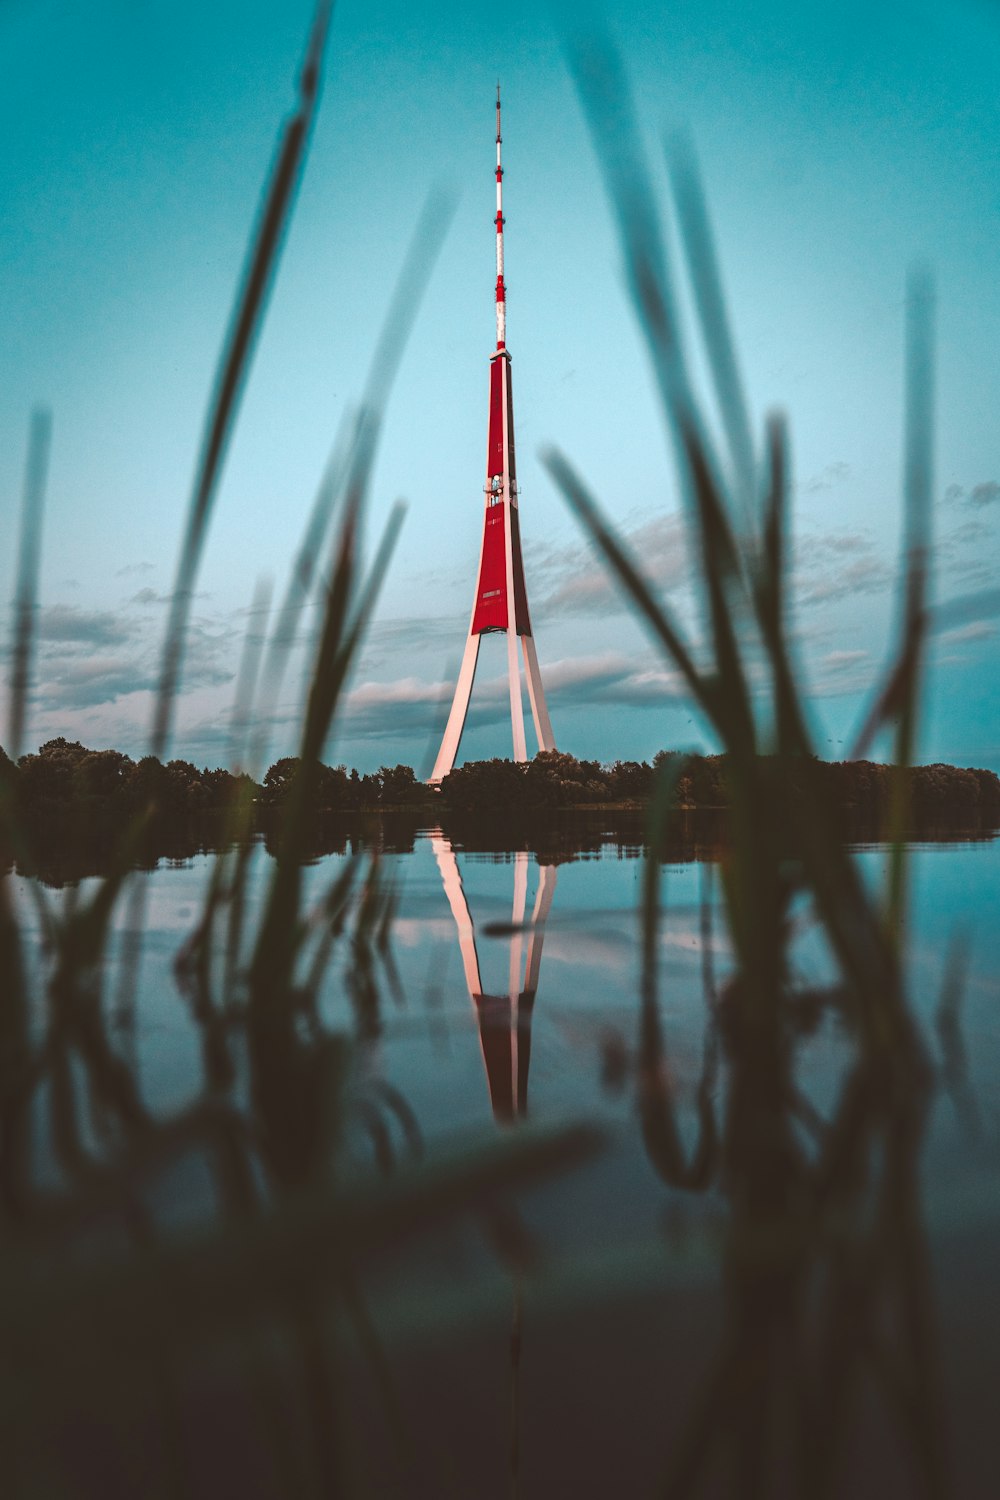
501,288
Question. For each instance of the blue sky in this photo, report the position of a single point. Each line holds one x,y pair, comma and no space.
838,146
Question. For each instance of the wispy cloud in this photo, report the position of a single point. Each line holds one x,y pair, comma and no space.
575,580
864,575
975,630
987,492
833,474
841,661
407,703
90,657
85,628
84,682
839,673
984,494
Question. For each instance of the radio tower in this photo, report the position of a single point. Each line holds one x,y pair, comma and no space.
501,601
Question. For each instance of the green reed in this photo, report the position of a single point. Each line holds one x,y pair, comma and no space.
107,1316
825,1268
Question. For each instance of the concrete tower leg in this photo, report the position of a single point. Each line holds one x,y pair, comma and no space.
516,704
536,695
459,708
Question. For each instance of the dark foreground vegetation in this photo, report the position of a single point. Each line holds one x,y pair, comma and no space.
76,785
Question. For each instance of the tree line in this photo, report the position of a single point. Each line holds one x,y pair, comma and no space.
66,776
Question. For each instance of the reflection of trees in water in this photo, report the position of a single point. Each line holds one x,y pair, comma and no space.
63,850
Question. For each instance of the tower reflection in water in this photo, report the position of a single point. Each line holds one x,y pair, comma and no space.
504,1019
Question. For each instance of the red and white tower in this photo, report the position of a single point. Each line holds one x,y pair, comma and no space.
501,600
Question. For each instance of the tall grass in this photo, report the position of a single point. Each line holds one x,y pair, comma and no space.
107,1317
827,1283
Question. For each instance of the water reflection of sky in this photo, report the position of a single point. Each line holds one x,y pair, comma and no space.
586,1009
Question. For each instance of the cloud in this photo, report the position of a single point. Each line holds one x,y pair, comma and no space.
132,568
980,495
969,531
418,633
832,474
838,565
411,703
868,575
840,661
968,553
817,551
84,682
839,673
149,596
84,627
975,630
610,678
208,657
575,580
92,657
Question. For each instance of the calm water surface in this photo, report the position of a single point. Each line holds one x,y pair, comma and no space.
555,1346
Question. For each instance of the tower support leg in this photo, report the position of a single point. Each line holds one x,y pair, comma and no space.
516,704
536,695
459,708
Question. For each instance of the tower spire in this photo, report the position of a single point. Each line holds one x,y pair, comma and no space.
501,599
501,288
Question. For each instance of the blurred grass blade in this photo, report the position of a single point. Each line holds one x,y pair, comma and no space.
248,677
29,558
917,492
607,106
608,109
896,697
404,305
790,730
652,609
279,936
251,301
246,318
657,1119
706,279
14,1028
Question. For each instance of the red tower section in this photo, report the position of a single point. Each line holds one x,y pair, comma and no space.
491,609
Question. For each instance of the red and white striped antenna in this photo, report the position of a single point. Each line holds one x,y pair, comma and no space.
501,289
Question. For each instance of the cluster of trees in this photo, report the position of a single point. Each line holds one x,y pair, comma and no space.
335,789
67,775
554,779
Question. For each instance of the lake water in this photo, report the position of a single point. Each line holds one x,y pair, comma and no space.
567,1340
